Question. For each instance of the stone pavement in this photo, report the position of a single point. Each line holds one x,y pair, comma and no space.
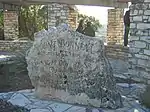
26,98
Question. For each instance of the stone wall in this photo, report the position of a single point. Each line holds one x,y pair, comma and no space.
61,13
73,18
115,26
114,52
11,25
118,58
117,55
117,52
11,46
140,40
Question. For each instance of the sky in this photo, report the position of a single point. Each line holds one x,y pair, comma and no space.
100,13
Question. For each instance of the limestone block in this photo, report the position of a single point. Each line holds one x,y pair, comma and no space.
134,12
137,18
147,1
145,38
149,19
134,50
140,44
142,56
133,38
147,12
143,26
143,62
141,12
58,14
147,52
133,25
71,67
145,75
133,61
145,17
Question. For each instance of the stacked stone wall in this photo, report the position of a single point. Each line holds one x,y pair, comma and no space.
140,41
11,25
12,46
61,13
115,26
117,52
73,18
57,14
117,55
118,58
114,52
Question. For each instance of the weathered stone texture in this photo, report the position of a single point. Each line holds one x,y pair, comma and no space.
11,25
72,67
140,45
115,26
61,13
12,46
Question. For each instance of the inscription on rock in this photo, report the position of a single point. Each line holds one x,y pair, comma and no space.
71,67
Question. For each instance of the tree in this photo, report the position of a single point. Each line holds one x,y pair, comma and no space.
1,25
32,19
95,22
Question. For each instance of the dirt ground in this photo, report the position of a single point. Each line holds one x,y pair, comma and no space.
10,80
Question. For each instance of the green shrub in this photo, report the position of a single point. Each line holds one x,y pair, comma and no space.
145,97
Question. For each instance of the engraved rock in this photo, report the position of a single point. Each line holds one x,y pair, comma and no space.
71,67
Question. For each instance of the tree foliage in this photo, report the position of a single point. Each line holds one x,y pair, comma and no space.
95,22
32,19
1,19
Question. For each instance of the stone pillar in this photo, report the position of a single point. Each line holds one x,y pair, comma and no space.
57,14
73,17
115,26
139,43
11,31
61,13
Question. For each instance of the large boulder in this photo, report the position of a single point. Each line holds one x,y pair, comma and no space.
71,67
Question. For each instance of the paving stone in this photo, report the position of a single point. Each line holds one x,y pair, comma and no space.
37,105
76,109
7,96
96,110
30,106
20,100
60,107
42,104
1,94
136,110
1,97
32,97
40,110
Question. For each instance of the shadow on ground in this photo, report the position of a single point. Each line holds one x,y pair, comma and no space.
10,80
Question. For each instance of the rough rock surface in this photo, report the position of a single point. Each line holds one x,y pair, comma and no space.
71,67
